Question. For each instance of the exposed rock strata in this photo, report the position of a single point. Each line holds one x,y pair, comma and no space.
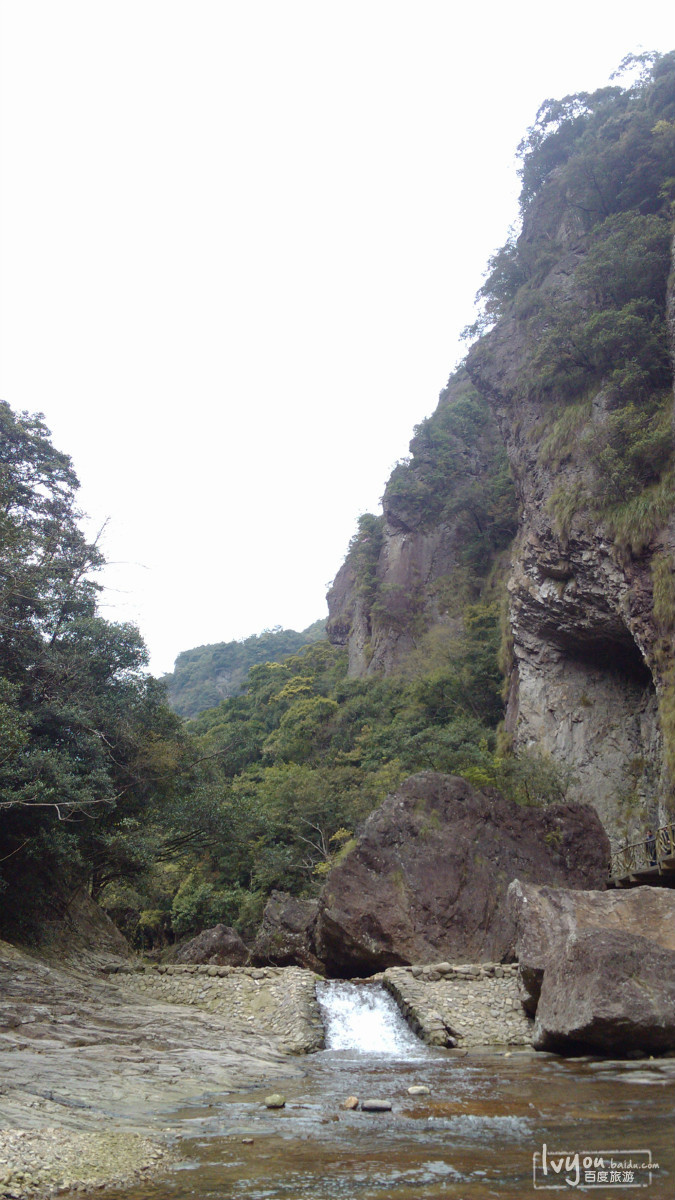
597,968
590,660
93,1057
587,667
428,876
582,620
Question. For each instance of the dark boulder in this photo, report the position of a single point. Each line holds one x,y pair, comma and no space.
286,936
427,879
220,946
597,968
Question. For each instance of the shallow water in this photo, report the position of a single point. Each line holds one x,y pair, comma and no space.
473,1137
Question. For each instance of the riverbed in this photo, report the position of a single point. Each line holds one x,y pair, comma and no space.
480,1131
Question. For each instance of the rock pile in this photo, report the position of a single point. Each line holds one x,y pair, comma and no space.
38,1162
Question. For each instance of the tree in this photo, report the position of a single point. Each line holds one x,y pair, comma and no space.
88,743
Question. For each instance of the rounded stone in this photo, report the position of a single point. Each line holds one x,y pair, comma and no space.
351,1102
275,1100
376,1106
419,1089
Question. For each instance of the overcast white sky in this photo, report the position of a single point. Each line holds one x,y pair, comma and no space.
239,239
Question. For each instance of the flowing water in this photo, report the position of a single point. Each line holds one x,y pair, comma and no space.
472,1137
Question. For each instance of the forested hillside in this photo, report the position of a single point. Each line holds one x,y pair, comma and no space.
206,675
509,616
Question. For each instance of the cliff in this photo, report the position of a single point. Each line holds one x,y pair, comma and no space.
571,379
447,511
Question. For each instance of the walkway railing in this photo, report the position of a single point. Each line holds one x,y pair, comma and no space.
645,855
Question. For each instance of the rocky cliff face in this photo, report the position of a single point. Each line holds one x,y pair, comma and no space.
573,389
415,569
589,659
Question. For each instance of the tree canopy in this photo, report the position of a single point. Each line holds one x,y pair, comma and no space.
87,740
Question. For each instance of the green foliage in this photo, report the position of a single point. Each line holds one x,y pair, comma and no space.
363,554
457,471
292,768
88,744
628,259
664,593
633,522
597,358
202,677
625,350
601,141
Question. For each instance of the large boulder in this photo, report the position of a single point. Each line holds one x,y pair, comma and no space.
427,879
286,935
597,968
220,946
611,993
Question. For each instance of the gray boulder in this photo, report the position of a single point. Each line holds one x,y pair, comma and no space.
220,946
427,879
611,993
286,935
597,968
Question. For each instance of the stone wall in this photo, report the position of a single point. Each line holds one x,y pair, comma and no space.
462,1005
277,1002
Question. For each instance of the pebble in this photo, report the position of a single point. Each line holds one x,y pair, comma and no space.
275,1100
351,1102
419,1089
375,1106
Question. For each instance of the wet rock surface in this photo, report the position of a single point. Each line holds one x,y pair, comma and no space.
461,1005
87,1058
427,879
597,968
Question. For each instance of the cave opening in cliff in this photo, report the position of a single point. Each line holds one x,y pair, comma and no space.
617,656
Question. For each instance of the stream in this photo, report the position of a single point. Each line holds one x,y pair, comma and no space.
472,1137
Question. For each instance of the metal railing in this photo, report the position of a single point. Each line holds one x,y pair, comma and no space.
644,855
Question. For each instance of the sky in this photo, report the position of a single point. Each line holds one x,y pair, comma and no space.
238,242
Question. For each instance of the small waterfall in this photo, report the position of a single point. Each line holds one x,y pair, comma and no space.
364,1018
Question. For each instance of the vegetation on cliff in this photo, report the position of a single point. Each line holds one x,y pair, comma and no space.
586,281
